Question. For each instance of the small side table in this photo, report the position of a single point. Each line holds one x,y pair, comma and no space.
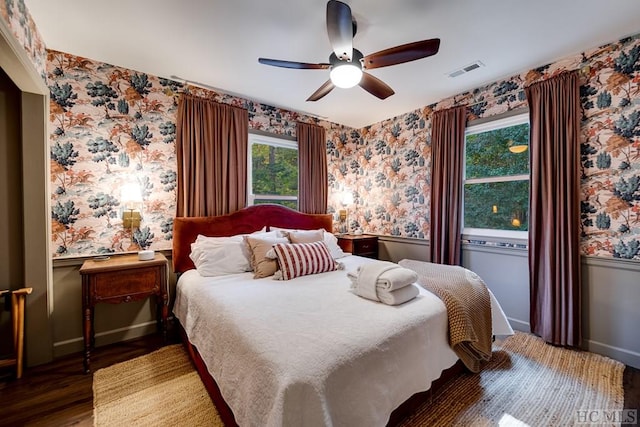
122,278
364,245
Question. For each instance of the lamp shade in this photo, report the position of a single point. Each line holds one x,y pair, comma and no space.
347,198
345,75
130,195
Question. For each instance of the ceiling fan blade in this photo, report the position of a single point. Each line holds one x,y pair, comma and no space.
322,91
340,29
400,54
292,64
375,86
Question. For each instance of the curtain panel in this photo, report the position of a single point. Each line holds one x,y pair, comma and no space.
554,225
211,150
312,169
447,157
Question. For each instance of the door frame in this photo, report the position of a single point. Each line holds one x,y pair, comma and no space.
36,198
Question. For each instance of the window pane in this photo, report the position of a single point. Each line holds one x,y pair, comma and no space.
274,170
488,154
497,205
293,204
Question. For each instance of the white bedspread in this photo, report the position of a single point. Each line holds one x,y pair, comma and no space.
308,352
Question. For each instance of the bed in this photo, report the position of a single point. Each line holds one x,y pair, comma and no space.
304,351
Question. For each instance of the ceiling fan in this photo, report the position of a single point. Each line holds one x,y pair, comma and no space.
348,65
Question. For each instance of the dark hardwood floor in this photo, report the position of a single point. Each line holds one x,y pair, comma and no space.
631,384
59,394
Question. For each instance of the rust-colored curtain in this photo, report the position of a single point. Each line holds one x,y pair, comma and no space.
554,225
211,145
312,169
447,156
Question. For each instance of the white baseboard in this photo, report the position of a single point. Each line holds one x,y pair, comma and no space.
628,357
519,325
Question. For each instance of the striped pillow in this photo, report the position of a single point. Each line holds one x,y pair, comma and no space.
301,259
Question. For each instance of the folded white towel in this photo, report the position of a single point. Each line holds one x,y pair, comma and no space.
396,278
368,274
379,281
399,296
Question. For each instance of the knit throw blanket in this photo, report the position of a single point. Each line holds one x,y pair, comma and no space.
468,304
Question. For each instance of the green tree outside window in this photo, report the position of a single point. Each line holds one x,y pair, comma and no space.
274,172
496,187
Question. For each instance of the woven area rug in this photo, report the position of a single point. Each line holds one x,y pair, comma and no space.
527,382
160,388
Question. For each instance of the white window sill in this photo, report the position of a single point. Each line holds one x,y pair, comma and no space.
481,233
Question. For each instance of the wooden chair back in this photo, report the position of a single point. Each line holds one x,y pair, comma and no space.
17,322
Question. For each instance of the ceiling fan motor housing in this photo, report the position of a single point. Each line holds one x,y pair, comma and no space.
356,58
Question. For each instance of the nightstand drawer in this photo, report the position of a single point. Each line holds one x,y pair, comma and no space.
361,245
126,287
365,246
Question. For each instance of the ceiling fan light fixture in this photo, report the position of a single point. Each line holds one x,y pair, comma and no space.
345,75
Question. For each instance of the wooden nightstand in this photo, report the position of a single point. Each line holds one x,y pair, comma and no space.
363,245
122,278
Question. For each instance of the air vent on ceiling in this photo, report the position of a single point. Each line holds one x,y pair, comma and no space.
466,69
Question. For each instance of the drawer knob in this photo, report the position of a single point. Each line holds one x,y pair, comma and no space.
127,298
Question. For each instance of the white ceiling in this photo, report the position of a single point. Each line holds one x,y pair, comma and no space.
217,43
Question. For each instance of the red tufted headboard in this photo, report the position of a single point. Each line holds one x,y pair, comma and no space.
247,220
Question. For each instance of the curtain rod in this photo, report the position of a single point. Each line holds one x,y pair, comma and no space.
260,132
583,71
488,99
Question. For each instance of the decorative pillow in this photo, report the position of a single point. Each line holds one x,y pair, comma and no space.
281,231
328,238
305,236
262,265
301,259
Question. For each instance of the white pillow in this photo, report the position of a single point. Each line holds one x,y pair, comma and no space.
221,257
332,243
330,240
217,256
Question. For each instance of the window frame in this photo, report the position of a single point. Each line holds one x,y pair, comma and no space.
469,232
274,142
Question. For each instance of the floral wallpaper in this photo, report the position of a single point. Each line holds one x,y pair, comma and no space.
386,166
610,151
19,21
111,126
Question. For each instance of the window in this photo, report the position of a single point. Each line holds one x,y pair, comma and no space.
496,178
273,171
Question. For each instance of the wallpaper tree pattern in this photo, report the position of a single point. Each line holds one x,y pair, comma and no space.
610,151
19,21
110,126
386,166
